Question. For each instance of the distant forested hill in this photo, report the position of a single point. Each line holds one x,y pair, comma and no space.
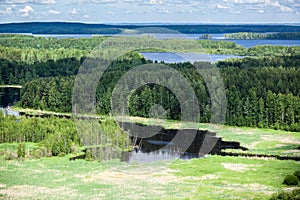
81,28
264,36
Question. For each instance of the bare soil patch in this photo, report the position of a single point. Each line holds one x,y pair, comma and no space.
239,167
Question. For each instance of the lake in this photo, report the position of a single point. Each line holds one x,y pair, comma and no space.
169,57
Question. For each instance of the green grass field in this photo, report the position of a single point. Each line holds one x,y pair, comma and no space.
212,177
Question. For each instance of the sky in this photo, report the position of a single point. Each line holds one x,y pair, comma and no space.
147,11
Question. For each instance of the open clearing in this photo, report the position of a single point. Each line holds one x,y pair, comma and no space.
212,177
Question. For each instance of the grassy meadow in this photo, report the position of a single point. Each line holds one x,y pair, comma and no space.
212,177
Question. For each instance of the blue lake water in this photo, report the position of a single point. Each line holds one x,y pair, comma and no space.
64,35
6,111
169,57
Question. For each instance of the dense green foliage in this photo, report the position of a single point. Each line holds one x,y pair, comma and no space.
48,94
37,48
19,73
297,173
257,96
290,180
21,151
24,129
262,90
24,58
31,56
57,136
294,195
263,36
265,61
35,42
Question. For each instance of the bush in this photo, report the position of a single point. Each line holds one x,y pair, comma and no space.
89,156
21,151
297,173
290,180
57,144
285,196
294,195
10,155
39,152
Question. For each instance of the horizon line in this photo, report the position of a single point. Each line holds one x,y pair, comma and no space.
159,23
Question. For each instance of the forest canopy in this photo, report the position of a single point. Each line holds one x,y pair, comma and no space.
262,89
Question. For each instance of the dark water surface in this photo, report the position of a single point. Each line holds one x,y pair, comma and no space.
9,96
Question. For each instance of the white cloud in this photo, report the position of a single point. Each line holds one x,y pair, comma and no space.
131,1
154,2
260,11
48,2
74,11
260,6
282,8
29,1
111,12
86,16
7,11
163,10
26,10
129,12
222,6
99,1
187,11
53,12
235,12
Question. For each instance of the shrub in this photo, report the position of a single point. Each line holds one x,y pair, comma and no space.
88,155
61,154
39,152
294,195
21,151
285,196
10,155
57,144
297,173
290,180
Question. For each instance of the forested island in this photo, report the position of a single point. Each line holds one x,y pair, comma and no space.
263,36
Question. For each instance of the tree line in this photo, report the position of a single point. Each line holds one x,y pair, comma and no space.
19,65
257,96
263,36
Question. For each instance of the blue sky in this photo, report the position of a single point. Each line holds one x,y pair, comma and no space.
143,11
